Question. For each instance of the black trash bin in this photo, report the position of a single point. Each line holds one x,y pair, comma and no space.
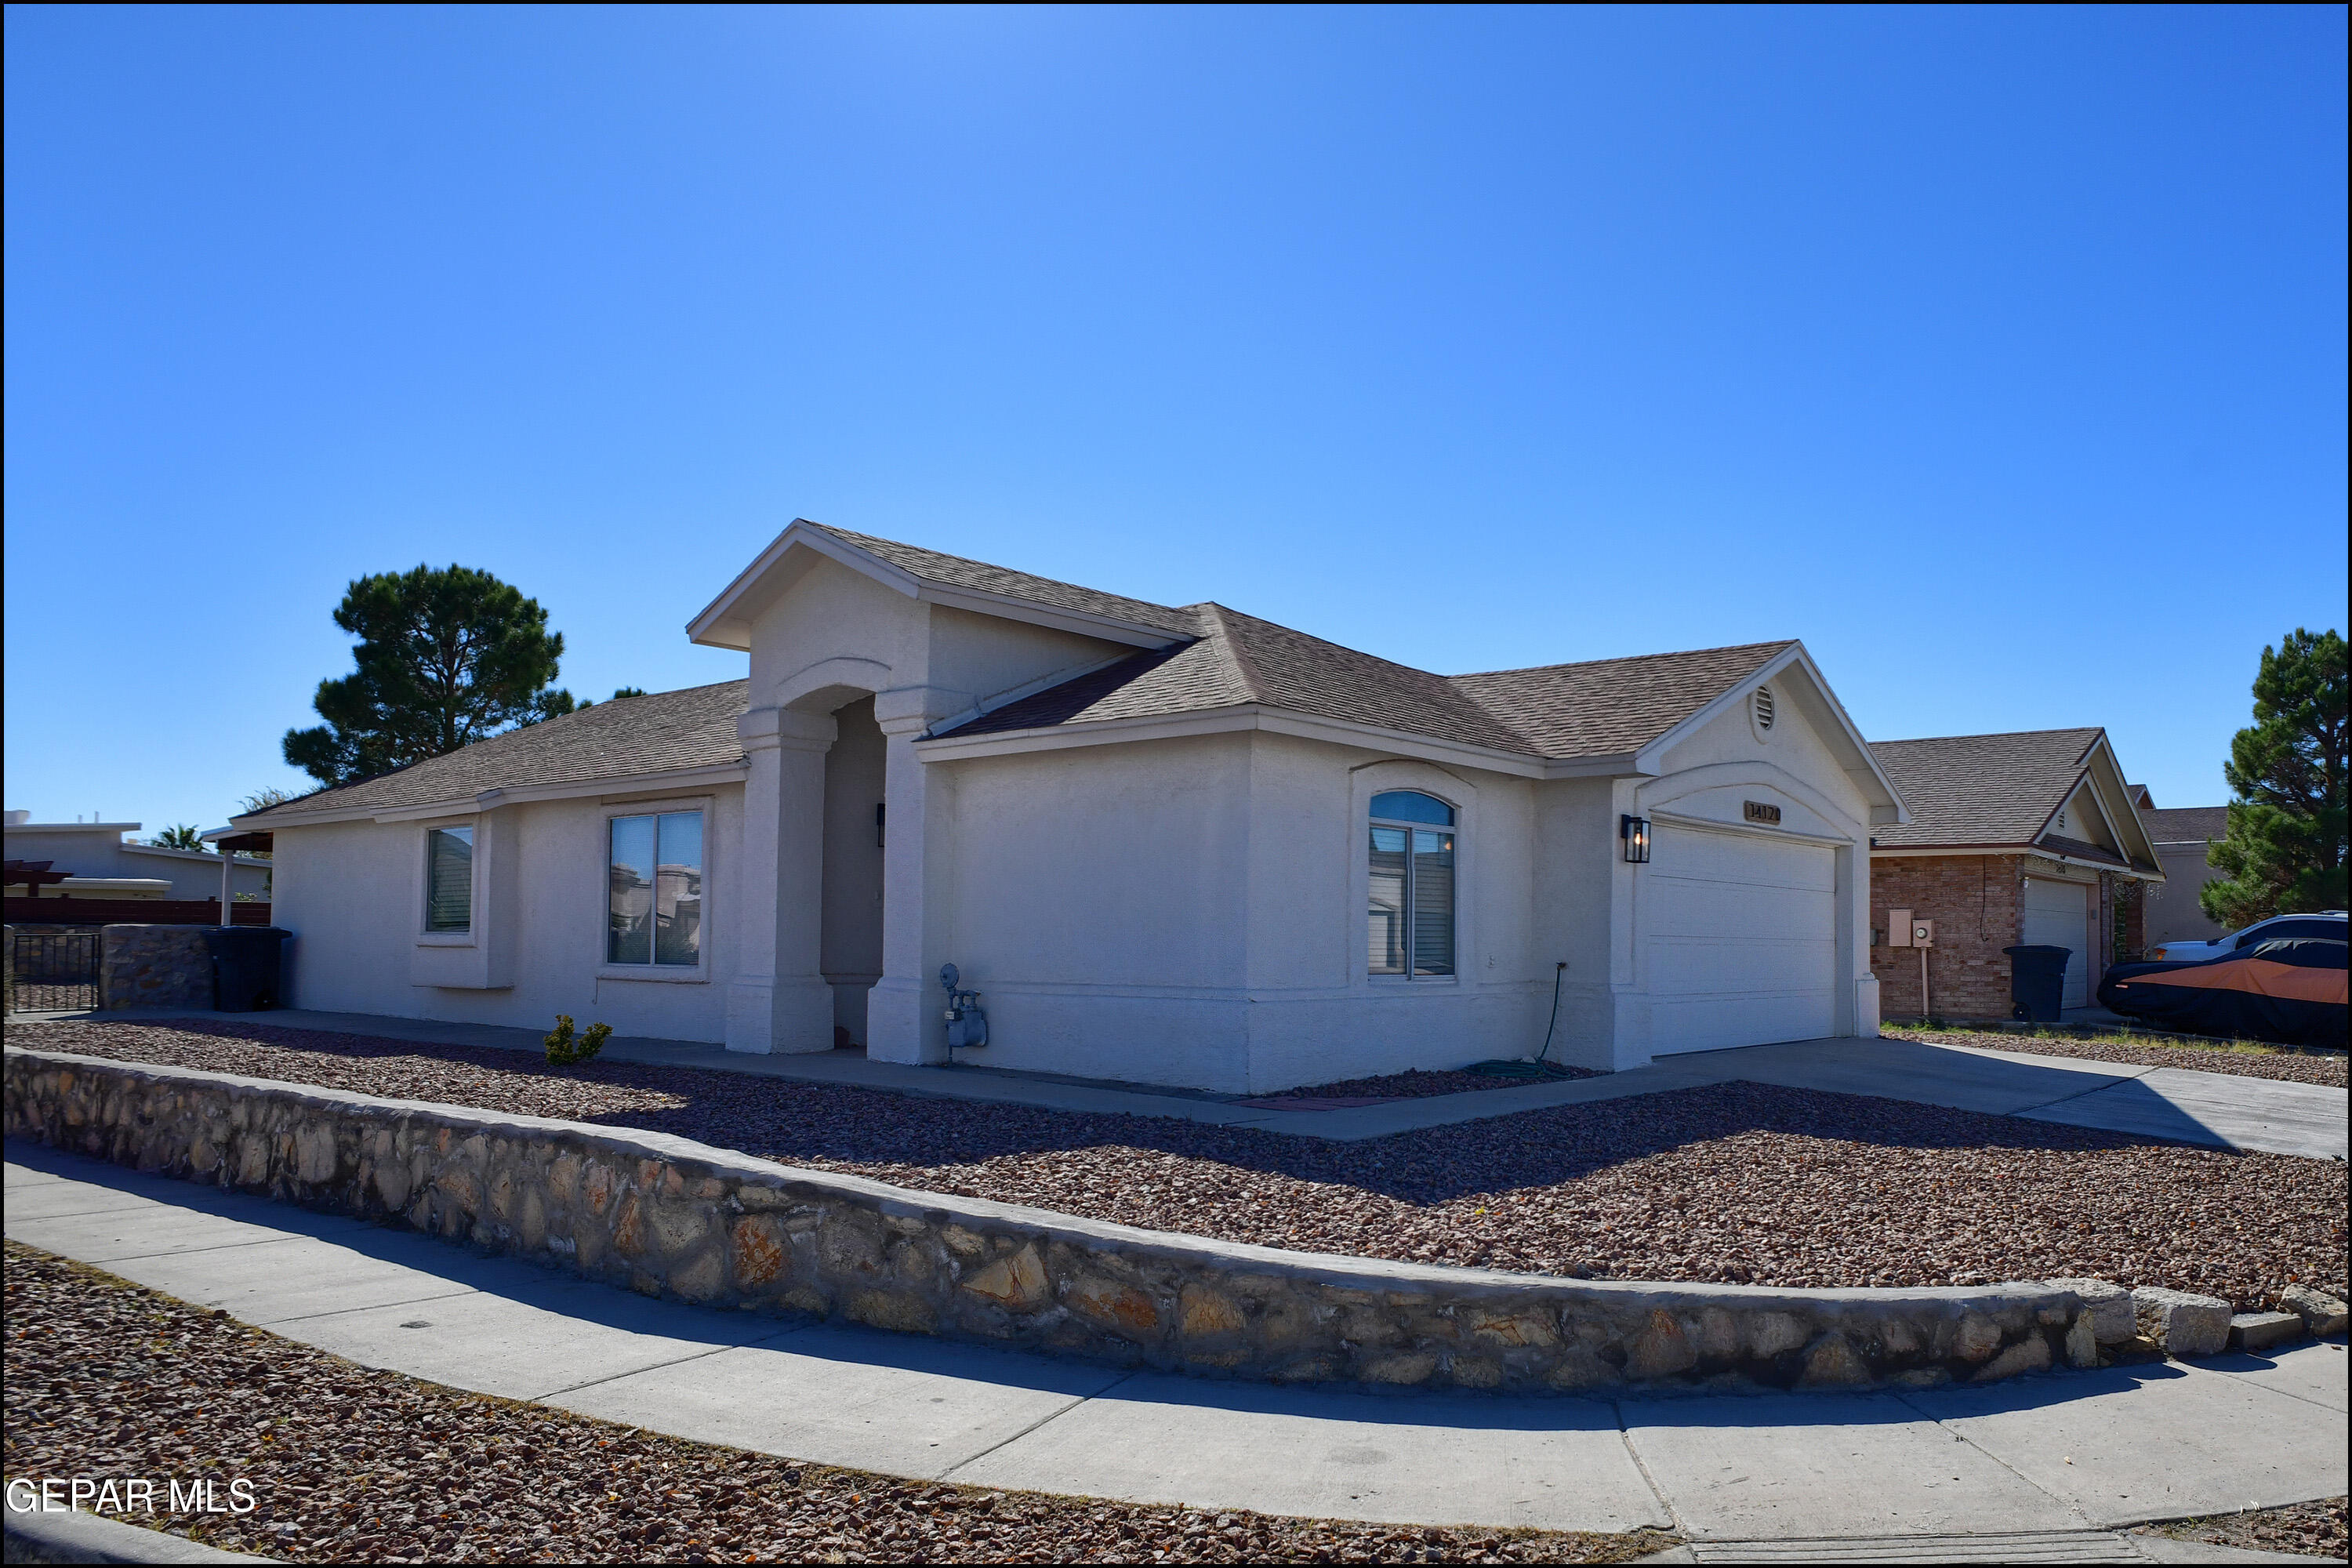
2037,981
245,967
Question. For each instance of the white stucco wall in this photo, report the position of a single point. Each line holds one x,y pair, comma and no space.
1189,911
350,894
842,635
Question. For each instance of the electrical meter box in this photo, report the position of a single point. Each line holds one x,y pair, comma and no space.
1923,934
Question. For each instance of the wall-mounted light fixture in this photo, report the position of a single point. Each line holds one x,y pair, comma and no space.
1635,832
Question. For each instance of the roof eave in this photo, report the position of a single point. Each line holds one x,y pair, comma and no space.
2133,870
726,621
668,780
1264,716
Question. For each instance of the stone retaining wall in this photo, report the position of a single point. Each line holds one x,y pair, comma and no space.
667,1217
154,966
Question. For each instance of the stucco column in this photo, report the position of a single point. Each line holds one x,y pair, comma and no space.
228,890
780,1003
905,1014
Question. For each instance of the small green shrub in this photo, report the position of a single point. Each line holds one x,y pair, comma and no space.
565,1050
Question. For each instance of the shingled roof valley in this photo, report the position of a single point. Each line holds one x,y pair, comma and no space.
1225,659
1606,708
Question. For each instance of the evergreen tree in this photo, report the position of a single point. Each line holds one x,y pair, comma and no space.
2286,847
444,659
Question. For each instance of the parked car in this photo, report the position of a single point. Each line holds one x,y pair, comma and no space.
2290,990
2327,923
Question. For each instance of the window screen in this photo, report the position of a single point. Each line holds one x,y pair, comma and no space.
449,879
654,890
1409,925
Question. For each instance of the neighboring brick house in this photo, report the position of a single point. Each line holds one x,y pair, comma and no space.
2031,838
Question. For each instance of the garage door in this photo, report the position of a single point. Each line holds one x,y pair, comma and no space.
2057,914
1741,935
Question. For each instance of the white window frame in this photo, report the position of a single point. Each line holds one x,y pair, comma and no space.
425,935
649,973
1366,822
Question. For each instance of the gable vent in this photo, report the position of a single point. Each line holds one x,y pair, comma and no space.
1763,707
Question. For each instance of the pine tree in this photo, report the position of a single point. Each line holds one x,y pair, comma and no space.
444,659
2286,848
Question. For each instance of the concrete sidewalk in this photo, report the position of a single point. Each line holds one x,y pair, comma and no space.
2057,1460
2216,1109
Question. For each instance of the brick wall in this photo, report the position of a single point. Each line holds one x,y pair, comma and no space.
1974,901
2134,923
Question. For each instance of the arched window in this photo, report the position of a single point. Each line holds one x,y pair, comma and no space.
1410,926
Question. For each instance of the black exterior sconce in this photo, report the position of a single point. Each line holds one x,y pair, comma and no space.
1635,833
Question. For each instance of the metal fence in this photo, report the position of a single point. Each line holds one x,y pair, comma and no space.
51,970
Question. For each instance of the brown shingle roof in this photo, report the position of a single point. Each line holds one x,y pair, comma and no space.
1603,708
955,572
655,734
1981,789
1229,659
1239,659
1609,706
2186,823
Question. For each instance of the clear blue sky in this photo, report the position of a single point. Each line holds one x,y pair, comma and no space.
1998,353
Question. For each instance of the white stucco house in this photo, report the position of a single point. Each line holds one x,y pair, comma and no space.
1175,846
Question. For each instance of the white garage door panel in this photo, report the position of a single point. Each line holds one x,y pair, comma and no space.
1740,939
1714,1024
1697,908
2057,914
1742,857
1697,967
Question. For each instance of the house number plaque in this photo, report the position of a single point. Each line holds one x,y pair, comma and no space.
1757,811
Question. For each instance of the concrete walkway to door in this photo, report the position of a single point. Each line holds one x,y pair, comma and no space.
2216,1109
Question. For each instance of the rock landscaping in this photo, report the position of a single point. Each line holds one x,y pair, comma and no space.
666,1216
1738,1182
2243,1058
347,1464
2303,1530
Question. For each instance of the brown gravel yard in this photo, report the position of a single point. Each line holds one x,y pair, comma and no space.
347,1464
2241,1060
2305,1529
1741,1183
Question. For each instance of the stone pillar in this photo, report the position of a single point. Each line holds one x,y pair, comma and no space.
780,1002
905,1019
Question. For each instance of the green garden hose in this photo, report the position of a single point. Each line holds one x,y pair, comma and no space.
1539,1066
